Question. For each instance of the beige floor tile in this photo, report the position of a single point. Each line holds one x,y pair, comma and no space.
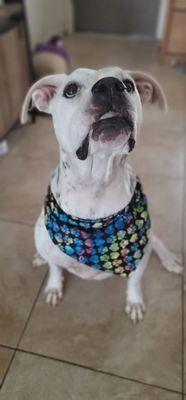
33,377
165,203
97,50
19,281
172,120
23,182
172,83
159,153
5,358
90,328
35,140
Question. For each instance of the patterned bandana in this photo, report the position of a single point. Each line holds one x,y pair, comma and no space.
114,244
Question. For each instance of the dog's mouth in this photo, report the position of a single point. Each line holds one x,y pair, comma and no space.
108,127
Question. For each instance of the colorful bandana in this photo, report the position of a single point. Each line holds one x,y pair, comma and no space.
114,244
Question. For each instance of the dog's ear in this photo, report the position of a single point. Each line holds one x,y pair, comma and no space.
149,89
40,95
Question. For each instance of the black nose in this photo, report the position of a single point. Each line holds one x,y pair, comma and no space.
108,86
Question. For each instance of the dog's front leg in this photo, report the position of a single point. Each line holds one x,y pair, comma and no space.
54,286
135,306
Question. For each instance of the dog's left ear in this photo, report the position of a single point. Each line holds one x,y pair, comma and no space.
40,95
149,89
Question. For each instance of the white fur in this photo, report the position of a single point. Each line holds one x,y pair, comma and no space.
96,187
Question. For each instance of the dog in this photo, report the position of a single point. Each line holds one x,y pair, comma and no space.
95,221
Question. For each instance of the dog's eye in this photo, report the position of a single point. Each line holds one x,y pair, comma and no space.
129,86
70,90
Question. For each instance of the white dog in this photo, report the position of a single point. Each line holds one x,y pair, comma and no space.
95,221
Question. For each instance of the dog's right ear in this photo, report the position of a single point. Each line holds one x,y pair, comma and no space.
40,95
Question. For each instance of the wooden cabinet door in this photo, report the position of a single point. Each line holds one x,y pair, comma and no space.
5,112
181,4
15,77
177,36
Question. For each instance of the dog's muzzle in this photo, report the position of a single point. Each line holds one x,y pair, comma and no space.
112,116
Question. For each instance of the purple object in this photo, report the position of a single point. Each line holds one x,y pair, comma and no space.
52,48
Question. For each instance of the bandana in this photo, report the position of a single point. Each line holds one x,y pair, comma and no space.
114,244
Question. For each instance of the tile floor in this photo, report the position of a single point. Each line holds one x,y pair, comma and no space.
87,348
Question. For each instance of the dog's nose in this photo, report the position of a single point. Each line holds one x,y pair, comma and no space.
108,86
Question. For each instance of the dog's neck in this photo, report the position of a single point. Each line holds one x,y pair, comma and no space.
94,188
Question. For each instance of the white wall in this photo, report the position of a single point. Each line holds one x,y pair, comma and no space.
47,18
50,17
163,9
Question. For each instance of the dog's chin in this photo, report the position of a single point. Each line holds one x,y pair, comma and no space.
112,132
111,129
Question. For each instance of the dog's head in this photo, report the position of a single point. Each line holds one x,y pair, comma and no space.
95,111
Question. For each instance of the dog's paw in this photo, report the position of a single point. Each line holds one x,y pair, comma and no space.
172,263
135,310
38,260
53,295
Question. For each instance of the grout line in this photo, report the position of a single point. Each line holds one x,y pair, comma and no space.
31,311
22,333
7,346
62,361
107,373
8,368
